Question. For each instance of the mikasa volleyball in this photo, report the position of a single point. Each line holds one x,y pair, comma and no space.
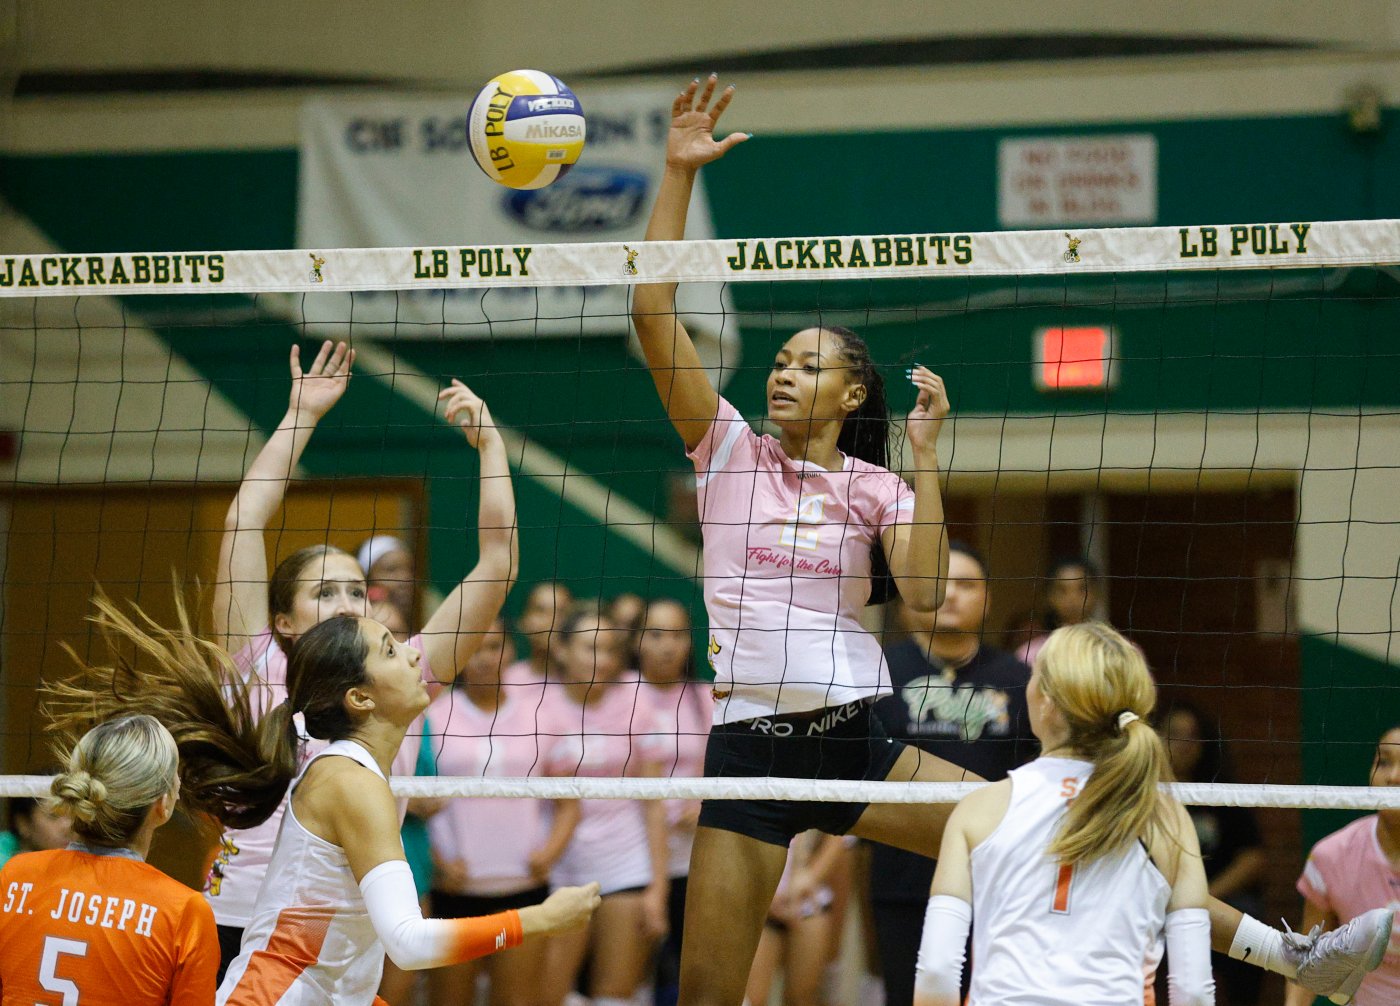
526,129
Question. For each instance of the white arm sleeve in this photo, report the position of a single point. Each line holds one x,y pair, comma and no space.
938,980
1189,981
411,941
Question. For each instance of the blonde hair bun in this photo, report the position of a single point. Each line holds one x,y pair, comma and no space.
80,794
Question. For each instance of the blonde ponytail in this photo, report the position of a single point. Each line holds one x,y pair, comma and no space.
116,772
1101,684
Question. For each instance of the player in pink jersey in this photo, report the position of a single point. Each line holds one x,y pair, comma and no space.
483,729
684,707
257,618
603,725
339,895
1355,872
796,529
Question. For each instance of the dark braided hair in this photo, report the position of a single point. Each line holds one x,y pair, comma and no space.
865,434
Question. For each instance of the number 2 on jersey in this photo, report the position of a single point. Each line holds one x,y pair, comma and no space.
804,530
54,946
1063,882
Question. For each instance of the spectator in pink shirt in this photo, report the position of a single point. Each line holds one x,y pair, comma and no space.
601,723
493,855
1354,872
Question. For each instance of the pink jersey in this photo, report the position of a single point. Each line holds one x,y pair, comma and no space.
238,869
1348,874
683,715
614,735
493,838
787,571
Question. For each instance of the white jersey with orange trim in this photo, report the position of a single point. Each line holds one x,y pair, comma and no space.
310,940
1043,934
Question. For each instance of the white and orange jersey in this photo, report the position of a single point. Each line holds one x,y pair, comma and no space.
236,874
88,924
310,940
1047,934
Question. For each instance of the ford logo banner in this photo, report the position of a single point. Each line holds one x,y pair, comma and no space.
586,199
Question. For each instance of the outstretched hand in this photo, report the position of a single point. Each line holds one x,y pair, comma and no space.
691,141
320,386
468,411
930,409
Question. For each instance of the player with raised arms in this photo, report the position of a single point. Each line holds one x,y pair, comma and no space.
793,527
78,923
338,894
257,618
1070,871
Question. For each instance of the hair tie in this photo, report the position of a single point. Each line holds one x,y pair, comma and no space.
1125,717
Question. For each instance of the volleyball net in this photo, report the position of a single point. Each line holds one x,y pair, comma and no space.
1207,415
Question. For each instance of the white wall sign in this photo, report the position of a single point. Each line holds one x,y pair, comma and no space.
1050,181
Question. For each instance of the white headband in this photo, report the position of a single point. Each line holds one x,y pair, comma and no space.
377,548
1125,717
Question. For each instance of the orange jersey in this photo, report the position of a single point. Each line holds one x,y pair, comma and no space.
95,928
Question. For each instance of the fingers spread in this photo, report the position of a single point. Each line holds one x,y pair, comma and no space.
726,96
707,93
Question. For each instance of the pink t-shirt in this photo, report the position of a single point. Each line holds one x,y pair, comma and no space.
1347,874
237,872
615,735
684,712
787,571
493,838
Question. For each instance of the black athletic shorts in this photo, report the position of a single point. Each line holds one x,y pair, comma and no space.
468,906
838,742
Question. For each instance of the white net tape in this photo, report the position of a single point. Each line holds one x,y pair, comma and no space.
887,256
818,790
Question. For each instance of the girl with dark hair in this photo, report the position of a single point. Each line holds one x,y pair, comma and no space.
338,894
257,618
1072,594
1231,842
794,527
490,730
79,923
684,708
602,725
795,530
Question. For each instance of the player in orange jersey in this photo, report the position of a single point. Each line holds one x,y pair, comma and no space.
93,923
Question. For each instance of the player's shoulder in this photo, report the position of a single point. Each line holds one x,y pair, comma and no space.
23,865
1343,843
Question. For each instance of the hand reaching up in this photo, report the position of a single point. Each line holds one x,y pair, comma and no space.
691,141
320,386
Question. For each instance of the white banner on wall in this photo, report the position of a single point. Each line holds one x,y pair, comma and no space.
1052,181
398,171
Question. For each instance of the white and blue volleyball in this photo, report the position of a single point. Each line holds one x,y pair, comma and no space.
526,129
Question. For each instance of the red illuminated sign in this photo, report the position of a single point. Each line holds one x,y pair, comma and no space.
1076,358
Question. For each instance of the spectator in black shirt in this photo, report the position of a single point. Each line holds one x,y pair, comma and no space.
961,700
1231,843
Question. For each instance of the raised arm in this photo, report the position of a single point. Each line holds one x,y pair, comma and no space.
240,585
456,629
690,401
918,552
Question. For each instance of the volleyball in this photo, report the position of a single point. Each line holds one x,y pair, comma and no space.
526,128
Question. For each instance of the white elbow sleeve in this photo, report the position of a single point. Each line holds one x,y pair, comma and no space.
938,979
1189,981
411,941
